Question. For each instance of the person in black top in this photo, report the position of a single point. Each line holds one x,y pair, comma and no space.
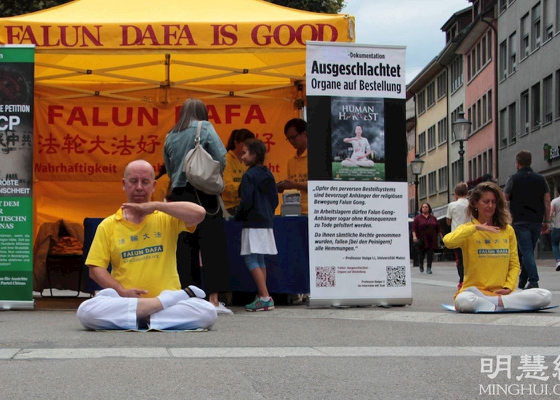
259,199
529,202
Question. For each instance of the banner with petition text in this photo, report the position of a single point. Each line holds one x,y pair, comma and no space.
16,160
358,220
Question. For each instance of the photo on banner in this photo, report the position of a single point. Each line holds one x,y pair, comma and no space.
358,221
358,139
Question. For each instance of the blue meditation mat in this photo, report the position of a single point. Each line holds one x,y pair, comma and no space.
451,307
151,330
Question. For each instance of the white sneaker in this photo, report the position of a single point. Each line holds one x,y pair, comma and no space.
222,309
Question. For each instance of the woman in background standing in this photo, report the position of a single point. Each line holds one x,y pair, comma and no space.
207,244
425,231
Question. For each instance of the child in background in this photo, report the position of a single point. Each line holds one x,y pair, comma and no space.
235,168
259,199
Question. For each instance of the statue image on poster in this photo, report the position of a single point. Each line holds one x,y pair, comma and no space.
16,128
358,139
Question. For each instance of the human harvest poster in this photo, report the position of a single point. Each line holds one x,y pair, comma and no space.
358,139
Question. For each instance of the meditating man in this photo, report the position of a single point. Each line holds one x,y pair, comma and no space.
140,241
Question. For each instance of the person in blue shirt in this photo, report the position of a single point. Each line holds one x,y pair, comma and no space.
207,245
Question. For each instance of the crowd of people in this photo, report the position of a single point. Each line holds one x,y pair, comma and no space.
158,240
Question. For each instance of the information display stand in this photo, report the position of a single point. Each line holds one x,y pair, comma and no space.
358,219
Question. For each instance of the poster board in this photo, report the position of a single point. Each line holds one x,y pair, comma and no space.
16,164
358,221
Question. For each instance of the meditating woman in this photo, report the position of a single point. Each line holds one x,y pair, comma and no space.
361,150
490,257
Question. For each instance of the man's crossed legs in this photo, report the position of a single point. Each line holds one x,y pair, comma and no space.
172,309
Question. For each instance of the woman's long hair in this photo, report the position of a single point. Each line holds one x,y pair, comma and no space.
501,217
192,110
240,136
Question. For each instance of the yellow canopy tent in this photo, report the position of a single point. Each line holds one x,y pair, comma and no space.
110,76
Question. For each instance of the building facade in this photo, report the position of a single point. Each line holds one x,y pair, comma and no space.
410,149
501,67
430,92
529,84
478,48
455,30
529,89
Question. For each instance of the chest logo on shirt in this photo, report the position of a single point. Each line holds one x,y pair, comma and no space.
492,251
300,178
141,252
135,238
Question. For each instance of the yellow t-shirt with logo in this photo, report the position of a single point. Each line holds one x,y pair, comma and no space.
232,179
142,256
490,259
297,172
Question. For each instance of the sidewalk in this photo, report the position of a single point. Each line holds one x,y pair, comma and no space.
54,324
414,352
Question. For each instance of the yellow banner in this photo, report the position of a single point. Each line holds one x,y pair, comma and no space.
173,36
93,141
80,151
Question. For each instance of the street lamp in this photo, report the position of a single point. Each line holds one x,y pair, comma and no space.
461,129
416,166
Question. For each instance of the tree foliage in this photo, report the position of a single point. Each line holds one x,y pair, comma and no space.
9,8
321,6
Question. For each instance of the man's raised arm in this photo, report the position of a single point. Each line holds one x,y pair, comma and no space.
192,214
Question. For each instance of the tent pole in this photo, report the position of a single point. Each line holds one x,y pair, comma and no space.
167,83
167,70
